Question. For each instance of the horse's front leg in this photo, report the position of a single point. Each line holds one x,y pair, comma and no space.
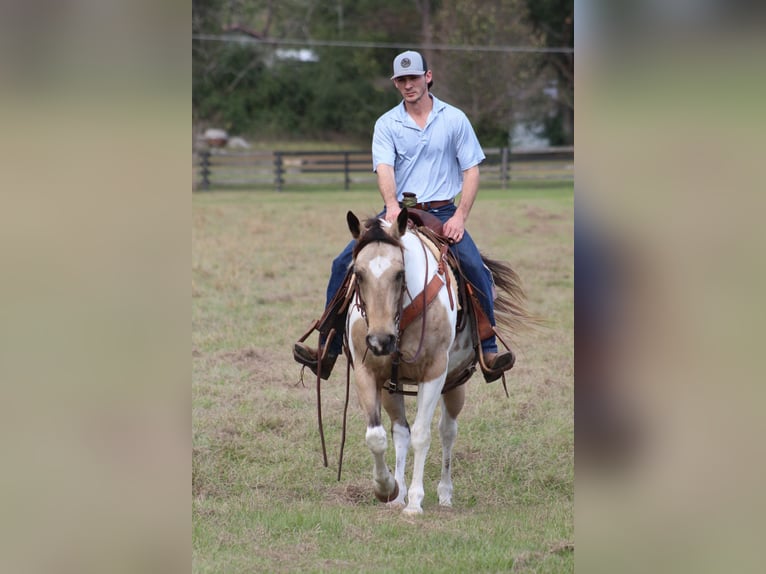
428,397
400,430
452,404
384,484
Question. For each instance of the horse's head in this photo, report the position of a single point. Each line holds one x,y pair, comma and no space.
379,275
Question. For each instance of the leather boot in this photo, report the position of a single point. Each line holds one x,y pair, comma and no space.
497,364
307,356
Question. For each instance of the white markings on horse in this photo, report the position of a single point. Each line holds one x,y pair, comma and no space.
379,265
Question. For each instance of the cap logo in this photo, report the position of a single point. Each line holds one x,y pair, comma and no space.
406,62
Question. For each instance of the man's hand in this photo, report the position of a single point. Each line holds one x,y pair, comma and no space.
392,212
454,227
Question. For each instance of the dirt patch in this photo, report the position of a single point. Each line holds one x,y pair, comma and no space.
244,356
354,493
259,364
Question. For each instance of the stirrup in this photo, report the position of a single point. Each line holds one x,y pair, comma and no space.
304,356
493,373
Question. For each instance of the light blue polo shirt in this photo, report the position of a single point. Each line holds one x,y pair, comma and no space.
428,162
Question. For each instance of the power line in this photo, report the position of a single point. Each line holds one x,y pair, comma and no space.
242,39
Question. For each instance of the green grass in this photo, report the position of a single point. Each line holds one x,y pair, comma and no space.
262,500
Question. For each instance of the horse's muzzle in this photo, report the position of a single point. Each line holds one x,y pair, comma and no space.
381,344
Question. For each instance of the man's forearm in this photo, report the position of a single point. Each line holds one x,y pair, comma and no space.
469,191
387,185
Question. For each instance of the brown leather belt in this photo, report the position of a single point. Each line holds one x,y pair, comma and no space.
425,206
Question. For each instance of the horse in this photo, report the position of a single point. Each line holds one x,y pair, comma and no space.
392,272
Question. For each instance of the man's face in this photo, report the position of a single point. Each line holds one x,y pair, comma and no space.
413,88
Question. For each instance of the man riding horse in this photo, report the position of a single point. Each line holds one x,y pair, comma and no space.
426,148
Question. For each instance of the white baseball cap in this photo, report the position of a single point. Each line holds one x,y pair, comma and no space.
409,63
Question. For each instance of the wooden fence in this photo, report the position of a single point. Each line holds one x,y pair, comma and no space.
220,169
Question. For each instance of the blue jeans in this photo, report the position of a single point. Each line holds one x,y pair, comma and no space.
470,261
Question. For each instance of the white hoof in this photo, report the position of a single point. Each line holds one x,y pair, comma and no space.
445,495
412,510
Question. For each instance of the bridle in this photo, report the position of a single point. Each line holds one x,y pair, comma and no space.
362,305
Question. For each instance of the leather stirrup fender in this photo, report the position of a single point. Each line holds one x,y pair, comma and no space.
484,326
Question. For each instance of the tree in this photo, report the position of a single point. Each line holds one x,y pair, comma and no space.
491,87
553,23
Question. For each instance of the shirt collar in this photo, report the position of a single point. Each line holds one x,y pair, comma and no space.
438,107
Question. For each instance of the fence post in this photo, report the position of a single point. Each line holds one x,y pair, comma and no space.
278,170
346,170
505,166
205,169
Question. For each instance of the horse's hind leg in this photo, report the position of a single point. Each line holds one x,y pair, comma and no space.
400,430
452,404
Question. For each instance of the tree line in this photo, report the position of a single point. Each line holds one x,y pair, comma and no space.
259,88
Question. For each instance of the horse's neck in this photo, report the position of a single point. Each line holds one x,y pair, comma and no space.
419,263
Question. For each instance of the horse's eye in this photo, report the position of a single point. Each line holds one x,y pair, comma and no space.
400,276
358,276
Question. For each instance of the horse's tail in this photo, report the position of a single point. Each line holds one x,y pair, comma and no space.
510,303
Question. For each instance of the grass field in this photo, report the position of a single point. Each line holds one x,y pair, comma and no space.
263,501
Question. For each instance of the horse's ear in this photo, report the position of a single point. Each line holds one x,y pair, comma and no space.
401,221
353,224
